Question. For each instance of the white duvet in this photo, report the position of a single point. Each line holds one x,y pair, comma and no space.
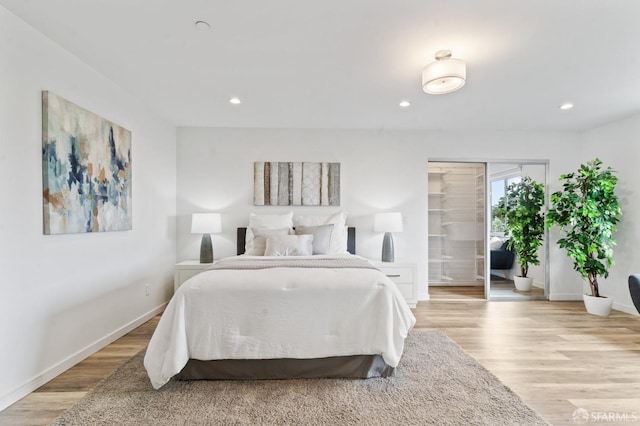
279,313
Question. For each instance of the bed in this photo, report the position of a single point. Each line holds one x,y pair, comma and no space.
281,316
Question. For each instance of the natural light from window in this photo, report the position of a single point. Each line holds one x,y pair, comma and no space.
498,189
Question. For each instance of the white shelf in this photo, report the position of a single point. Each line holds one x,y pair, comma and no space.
441,259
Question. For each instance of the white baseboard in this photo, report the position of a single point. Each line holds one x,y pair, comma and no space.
625,308
578,297
423,295
64,365
565,297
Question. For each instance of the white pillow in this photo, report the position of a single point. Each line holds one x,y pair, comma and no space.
289,245
338,235
321,237
495,243
259,241
266,221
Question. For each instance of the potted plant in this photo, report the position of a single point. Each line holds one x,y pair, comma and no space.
587,211
522,208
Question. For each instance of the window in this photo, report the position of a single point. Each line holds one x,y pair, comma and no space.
498,189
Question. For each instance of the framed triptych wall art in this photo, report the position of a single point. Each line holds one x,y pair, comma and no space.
296,184
86,170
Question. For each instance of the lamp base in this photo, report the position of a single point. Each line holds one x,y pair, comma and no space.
387,248
206,249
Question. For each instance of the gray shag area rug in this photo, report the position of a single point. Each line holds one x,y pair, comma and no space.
436,383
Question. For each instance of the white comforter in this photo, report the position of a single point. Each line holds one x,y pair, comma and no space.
279,313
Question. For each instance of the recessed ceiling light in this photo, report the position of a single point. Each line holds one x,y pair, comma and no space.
202,26
566,105
404,104
235,101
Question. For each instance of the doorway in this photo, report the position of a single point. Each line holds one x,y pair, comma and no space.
456,210
469,254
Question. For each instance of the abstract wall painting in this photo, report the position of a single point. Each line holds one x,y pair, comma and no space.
296,184
86,170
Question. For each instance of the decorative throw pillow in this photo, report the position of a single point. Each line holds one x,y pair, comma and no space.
495,243
266,221
338,235
289,245
259,242
321,237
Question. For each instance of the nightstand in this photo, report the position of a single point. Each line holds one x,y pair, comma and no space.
403,274
187,269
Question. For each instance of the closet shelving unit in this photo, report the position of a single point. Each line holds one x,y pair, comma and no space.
456,224
437,257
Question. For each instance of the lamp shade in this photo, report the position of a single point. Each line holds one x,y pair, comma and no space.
445,75
206,223
387,222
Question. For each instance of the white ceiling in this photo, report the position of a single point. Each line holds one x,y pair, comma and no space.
348,63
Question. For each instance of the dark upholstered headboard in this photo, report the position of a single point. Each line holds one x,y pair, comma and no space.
351,240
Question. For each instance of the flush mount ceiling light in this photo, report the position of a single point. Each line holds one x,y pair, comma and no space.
235,101
566,106
445,75
404,104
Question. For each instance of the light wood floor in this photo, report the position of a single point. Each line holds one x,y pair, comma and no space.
500,290
456,293
552,354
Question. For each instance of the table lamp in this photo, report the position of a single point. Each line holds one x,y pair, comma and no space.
387,223
206,224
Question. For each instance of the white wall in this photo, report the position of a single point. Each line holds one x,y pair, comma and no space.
381,170
617,146
64,296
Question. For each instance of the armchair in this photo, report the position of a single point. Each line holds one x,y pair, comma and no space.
502,258
634,289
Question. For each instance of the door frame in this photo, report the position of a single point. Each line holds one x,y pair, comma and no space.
487,214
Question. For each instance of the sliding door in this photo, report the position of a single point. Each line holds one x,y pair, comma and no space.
504,264
469,252
456,224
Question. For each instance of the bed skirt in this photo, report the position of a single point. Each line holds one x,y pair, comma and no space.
353,367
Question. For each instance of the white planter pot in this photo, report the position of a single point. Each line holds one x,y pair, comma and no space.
523,284
598,305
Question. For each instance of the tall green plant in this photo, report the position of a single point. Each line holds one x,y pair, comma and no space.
587,211
522,207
